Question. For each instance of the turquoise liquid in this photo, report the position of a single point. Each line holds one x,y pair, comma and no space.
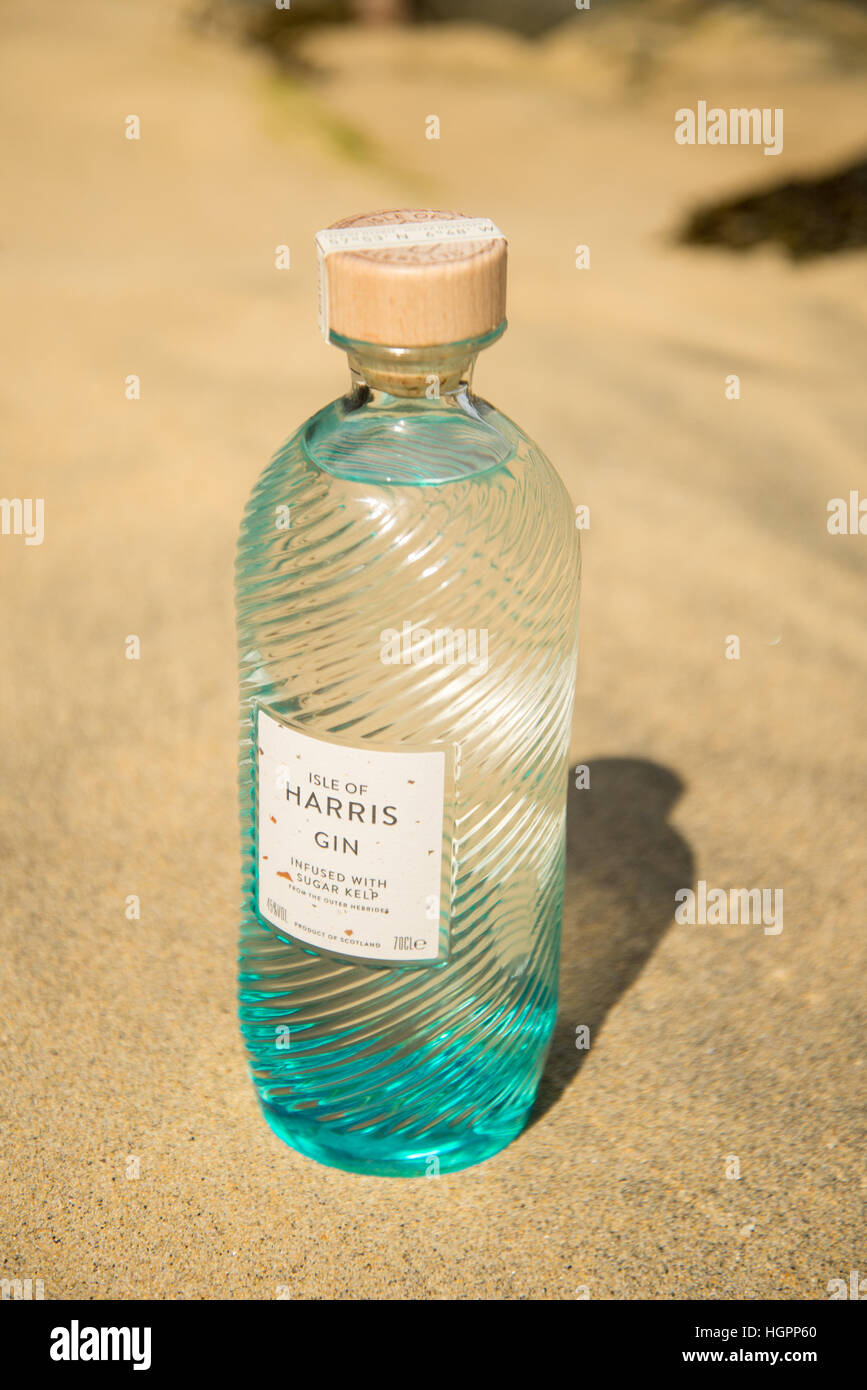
441,513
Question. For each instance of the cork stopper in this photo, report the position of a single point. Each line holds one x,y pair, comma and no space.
416,283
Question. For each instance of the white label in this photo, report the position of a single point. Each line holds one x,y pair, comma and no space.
377,234
350,845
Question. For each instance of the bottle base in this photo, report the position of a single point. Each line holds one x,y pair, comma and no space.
383,1157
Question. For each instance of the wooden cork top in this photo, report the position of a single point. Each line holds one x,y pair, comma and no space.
415,284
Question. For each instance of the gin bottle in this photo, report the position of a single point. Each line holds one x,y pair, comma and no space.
407,590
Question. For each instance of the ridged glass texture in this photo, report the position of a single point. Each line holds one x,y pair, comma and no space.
443,514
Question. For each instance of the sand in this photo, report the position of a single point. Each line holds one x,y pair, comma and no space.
120,1051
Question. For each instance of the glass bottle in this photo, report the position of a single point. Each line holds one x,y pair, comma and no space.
407,587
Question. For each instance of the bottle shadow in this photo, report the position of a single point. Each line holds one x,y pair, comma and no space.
624,863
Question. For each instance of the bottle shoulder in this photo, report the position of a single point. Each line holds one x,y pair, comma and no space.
409,444
412,442
509,526
473,468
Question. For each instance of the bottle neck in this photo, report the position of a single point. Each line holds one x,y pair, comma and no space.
418,373
409,418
